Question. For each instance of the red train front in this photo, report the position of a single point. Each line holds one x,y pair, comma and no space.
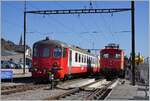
47,56
112,61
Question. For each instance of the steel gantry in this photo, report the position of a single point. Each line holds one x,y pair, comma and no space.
79,11
85,11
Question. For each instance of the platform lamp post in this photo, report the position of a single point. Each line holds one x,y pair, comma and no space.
133,42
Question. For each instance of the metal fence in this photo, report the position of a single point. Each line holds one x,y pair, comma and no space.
142,72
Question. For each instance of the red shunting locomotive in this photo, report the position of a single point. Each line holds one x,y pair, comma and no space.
112,61
62,60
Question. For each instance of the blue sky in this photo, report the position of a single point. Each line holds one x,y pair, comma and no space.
86,31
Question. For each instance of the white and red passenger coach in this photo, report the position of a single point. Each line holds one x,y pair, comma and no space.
62,60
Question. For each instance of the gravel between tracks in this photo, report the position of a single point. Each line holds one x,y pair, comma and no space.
38,94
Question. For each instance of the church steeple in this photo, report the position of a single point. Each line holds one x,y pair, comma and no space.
20,42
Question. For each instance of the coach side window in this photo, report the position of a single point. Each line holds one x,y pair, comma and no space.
76,57
87,58
84,59
79,57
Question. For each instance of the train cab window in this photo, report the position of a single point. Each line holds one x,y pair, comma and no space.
35,52
57,52
117,56
64,52
46,52
105,55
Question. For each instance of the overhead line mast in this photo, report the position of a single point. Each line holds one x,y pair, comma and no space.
24,56
133,42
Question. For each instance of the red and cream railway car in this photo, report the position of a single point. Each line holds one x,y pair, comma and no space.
112,61
62,60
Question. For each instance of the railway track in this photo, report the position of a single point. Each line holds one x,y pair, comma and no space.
6,90
82,93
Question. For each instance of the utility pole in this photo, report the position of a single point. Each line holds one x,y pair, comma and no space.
24,55
133,42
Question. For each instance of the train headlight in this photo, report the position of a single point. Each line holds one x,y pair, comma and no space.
44,71
35,63
55,64
35,69
56,68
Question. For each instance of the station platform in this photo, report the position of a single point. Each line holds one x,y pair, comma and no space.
15,77
126,91
16,73
21,75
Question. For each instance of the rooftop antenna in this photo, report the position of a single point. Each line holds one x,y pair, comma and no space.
47,38
91,6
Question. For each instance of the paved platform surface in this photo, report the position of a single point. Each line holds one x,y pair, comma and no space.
126,91
75,83
18,73
21,75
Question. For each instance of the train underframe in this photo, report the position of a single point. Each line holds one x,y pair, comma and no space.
44,77
112,73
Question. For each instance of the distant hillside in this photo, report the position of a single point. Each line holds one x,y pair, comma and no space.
11,46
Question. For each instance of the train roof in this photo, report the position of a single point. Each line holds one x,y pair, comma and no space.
107,49
62,44
112,46
50,42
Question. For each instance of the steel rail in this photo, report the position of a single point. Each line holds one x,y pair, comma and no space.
101,93
72,91
19,88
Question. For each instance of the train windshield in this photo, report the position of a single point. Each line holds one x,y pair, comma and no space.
109,55
117,56
46,52
57,52
105,55
41,52
35,52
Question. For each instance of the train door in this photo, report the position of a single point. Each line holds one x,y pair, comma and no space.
70,61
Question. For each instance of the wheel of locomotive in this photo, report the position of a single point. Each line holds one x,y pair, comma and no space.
122,74
69,77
